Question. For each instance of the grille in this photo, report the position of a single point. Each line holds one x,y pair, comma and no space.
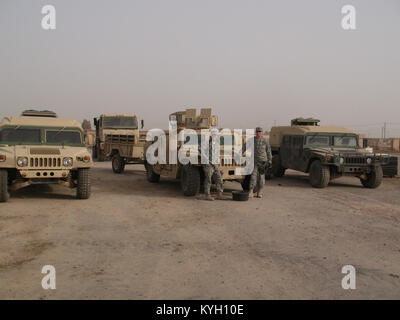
120,139
45,162
355,160
228,162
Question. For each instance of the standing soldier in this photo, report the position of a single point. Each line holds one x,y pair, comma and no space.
262,160
212,167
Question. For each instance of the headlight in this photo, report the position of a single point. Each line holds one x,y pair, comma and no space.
369,160
3,157
341,160
22,161
67,162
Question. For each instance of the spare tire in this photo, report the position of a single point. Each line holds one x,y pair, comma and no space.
240,195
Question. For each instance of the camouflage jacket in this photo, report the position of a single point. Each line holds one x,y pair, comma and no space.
262,150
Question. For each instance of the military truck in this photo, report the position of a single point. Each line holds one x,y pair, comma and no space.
325,152
123,125
38,147
191,175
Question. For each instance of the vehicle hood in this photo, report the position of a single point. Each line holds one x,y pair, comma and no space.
342,151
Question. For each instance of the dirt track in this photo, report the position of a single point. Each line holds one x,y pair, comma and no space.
136,240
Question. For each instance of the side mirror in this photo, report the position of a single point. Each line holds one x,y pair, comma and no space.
141,124
95,121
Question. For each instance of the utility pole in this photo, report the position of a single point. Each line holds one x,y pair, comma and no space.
384,130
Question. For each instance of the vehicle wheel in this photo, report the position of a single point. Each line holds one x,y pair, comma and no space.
83,187
150,174
4,195
246,183
374,179
319,174
190,180
118,163
277,169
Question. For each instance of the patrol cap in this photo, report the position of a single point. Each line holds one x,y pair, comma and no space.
259,129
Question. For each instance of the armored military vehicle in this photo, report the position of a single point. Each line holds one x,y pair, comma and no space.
38,147
325,152
112,127
191,175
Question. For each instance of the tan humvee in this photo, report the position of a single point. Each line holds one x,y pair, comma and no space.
111,125
191,175
39,147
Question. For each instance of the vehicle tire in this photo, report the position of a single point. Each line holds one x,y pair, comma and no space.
150,174
246,183
190,180
240,195
319,174
118,163
4,195
374,179
277,169
83,185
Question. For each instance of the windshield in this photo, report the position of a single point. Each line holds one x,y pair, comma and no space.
317,140
20,135
345,141
120,123
63,137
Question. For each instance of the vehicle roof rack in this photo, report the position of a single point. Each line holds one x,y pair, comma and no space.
305,122
36,113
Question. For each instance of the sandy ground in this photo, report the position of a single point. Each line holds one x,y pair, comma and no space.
136,240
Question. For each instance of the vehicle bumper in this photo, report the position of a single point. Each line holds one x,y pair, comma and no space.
32,174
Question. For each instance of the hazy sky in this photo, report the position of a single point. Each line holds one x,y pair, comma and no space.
254,61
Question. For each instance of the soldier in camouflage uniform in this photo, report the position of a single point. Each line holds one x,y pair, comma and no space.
262,160
212,169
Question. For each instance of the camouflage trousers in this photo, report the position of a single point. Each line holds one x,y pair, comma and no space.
211,170
257,179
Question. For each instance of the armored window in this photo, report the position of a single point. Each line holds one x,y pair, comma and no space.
318,140
120,123
63,137
345,141
20,135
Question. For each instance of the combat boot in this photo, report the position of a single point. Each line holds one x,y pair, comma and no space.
251,194
208,197
219,196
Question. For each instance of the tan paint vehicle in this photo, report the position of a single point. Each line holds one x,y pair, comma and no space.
112,126
191,176
325,152
40,148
